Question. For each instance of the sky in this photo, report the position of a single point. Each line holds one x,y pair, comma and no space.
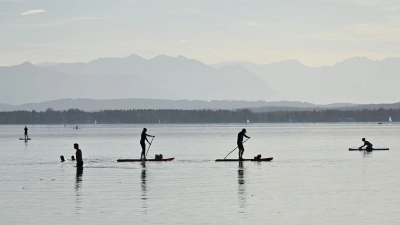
314,32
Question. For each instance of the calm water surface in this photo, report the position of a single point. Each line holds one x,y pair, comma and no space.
313,178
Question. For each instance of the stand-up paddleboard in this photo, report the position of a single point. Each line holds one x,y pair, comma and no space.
252,160
374,149
146,160
23,139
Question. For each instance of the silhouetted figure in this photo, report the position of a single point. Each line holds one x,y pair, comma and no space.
143,138
72,158
79,161
76,127
26,133
241,134
366,143
62,158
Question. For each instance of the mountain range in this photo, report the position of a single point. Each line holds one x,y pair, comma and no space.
162,77
358,80
125,104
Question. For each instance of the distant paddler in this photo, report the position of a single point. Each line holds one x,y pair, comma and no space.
26,133
143,138
241,134
366,143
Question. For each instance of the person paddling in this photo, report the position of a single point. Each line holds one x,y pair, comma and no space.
241,134
366,143
143,138
79,161
26,133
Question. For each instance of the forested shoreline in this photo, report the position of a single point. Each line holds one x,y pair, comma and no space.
75,116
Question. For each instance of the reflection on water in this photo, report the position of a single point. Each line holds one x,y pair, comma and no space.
78,182
78,188
241,188
367,153
143,187
313,178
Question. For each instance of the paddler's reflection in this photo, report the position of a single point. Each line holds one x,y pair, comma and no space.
241,187
240,173
78,182
143,178
143,185
367,153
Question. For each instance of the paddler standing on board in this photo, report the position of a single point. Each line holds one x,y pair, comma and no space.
26,133
241,134
143,138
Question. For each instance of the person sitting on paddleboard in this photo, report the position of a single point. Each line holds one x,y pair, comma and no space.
143,138
241,134
366,143
26,133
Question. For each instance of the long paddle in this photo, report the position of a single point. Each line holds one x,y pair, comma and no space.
149,146
234,149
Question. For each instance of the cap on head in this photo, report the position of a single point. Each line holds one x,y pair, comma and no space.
244,130
144,129
363,139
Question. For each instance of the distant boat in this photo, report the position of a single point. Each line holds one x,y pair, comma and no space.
390,119
248,121
95,122
159,121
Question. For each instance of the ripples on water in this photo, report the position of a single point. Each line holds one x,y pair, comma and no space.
313,178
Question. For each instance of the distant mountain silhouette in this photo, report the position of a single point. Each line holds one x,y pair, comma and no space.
28,83
354,80
95,105
5,107
180,76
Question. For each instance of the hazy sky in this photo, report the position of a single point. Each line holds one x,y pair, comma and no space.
315,32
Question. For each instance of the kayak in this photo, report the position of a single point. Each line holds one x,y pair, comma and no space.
363,149
146,160
252,160
23,139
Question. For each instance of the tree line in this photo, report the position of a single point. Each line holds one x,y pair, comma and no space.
75,116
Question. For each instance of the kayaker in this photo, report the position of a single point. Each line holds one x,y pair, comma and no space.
366,143
26,133
241,134
79,161
143,138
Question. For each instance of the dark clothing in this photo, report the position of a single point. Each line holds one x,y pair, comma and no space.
79,156
240,138
26,131
368,144
79,164
143,137
143,147
240,146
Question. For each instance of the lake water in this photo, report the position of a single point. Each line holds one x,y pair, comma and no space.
313,178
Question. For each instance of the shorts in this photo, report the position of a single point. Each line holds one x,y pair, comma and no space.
240,146
143,146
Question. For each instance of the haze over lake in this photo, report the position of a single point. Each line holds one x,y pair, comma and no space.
313,178
307,79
